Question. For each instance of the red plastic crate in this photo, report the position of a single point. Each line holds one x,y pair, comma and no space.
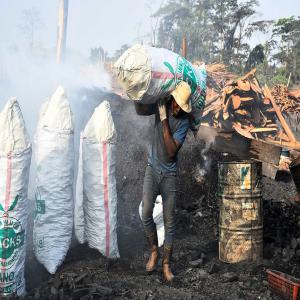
284,285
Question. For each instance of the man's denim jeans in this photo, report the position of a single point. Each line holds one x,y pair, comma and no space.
165,185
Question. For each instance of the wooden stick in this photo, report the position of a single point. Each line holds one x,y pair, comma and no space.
285,126
288,83
208,102
268,129
251,73
184,45
290,145
242,131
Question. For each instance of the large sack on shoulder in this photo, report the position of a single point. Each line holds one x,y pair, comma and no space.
96,195
15,157
54,156
149,73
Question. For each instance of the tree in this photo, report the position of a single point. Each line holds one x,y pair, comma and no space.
220,30
190,18
215,29
97,55
230,19
154,20
202,44
177,16
256,57
120,51
286,38
31,23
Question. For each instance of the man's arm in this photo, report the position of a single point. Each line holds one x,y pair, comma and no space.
144,109
172,145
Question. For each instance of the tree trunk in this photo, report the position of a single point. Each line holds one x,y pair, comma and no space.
62,30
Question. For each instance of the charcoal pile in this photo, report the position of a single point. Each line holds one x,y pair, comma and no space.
281,227
76,284
280,223
281,237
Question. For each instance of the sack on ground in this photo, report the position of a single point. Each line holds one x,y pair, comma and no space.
53,223
15,157
158,218
148,74
96,195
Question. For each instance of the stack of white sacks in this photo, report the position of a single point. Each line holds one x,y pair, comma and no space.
95,206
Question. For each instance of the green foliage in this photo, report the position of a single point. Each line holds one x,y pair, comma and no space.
286,38
271,75
214,28
278,79
256,57
220,30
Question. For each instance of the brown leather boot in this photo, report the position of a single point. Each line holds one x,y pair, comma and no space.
168,275
153,259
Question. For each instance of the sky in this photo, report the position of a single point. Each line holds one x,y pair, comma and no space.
109,24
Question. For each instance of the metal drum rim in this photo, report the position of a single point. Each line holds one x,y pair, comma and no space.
247,229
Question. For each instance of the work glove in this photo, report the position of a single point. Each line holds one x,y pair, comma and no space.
162,109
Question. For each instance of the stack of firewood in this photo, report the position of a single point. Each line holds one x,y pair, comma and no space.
288,101
217,78
218,73
249,109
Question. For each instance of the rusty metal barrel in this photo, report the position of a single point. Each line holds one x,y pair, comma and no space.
241,217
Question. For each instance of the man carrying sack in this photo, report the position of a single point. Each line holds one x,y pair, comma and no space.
170,129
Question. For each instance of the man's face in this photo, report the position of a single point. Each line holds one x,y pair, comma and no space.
175,109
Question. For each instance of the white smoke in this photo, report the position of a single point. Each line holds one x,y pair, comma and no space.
207,135
34,78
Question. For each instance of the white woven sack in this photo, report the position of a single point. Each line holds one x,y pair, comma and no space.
158,218
53,223
149,73
15,157
96,203
78,209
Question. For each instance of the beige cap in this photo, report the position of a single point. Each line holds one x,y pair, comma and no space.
182,94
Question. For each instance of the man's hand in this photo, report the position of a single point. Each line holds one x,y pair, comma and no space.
162,109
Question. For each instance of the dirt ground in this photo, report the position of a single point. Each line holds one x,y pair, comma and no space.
86,274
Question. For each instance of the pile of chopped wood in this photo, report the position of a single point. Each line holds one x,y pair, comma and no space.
249,109
217,74
288,101
217,78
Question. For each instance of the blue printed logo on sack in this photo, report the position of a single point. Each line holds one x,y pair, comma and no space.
186,72
12,238
8,283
